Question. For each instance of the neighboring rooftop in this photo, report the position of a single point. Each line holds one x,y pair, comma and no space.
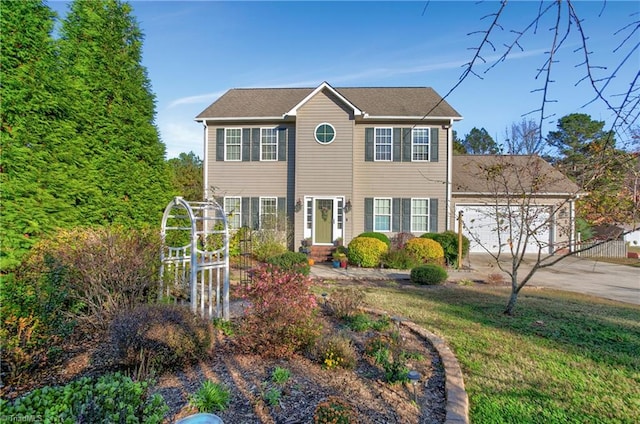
374,101
517,173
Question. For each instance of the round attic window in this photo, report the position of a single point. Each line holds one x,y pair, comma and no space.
325,133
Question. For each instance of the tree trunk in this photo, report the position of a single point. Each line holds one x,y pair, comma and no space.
512,303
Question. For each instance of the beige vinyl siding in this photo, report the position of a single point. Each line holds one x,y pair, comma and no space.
323,170
253,178
398,179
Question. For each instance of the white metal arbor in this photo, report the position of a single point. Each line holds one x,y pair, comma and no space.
202,231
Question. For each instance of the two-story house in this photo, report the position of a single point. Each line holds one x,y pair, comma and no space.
332,163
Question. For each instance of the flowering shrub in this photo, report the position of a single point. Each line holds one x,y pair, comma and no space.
366,251
280,317
400,239
333,351
426,250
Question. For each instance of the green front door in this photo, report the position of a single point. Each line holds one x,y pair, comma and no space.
324,221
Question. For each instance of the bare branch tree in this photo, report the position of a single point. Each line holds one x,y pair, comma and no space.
524,138
566,22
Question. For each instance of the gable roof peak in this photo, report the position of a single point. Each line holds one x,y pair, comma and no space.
323,86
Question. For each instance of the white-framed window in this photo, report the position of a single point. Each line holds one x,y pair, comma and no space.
324,133
233,144
420,215
309,212
268,213
420,144
382,215
268,144
233,209
383,144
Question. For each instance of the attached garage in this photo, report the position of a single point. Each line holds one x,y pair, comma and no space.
493,227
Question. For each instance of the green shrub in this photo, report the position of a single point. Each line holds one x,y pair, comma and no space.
425,250
210,397
291,261
449,242
428,274
112,398
280,316
262,251
380,236
335,411
399,259
162,336
386,350
363,322
366,251
237,237
280,375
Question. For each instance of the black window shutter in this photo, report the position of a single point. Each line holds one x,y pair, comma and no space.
433,215
396,214
368,144
246,212
255,213
220,144
282,144
255,144
246,145
406,215
397,144
406,144
433,141
368,214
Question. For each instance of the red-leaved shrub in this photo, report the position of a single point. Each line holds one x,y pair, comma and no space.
280,316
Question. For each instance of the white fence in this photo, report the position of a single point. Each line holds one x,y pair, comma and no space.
609,249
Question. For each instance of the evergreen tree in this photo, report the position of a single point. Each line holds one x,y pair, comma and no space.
187,175
586,153
37,165
458,146
100,49
479,142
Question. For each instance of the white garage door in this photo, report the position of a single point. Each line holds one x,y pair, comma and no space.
485,232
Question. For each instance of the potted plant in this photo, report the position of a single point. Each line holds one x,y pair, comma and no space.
305,246
339,259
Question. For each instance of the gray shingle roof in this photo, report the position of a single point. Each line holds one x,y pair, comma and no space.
529,173
376,101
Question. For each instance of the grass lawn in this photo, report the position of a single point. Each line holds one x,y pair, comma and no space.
563,358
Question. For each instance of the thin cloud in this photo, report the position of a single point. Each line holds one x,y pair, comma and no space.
197,99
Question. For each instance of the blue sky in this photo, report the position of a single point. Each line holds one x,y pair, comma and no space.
194,51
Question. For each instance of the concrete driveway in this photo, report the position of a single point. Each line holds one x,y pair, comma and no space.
609,281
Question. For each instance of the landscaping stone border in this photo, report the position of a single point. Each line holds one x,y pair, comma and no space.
457,410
